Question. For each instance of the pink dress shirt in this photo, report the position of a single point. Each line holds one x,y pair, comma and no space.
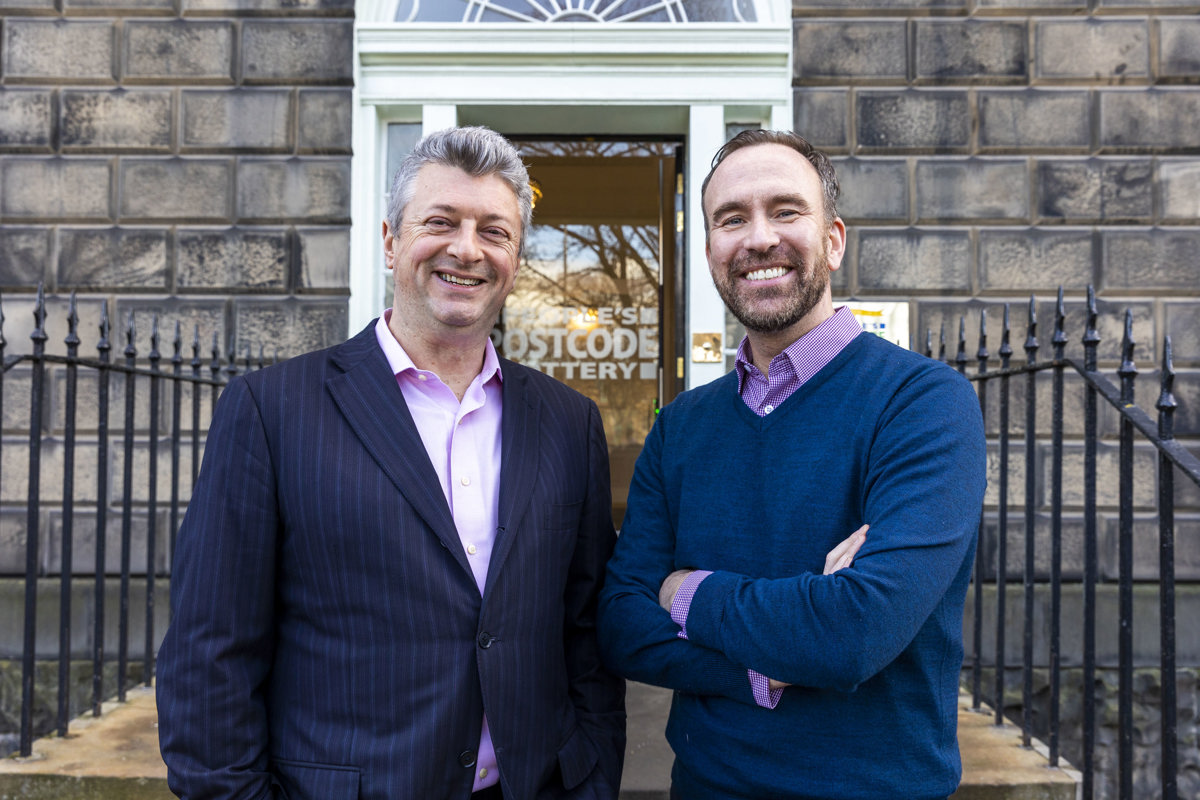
788,371
463,442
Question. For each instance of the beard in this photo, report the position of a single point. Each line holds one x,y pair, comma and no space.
774,309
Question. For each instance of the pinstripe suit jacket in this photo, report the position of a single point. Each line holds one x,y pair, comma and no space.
328,639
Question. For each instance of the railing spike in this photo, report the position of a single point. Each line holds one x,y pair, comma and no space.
1128,370
154,354
960,359
178,344
1031,340
105,329
39,315
929,342
981,355
130,334
1060,326
1166,398
942,341
1006,350
72,340
2,341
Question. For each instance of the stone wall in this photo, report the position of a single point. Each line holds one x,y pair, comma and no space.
990,149
183,157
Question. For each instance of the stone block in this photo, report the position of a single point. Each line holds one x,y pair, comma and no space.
1110,325
12,592
55,189
993,6
189,190
1183,326
309,190
1034,119
26,120
188,50
19,322
974,50
913,259
849,49
1159,258
1179,189
28,6
1099,190
109,258
1149,119
324,259
233,259
1035,259
83,538
914,120
138,7
59,49
239,119
319,51
1092,49
873,189
288,327
273,8
116,120
1014,545
14,465
324,121
25,254
974,189
88,387
1178,47
809,6
1187,396
206,318
820,116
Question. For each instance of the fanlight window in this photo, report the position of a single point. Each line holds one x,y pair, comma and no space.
542,11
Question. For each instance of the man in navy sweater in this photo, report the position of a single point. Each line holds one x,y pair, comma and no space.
791,683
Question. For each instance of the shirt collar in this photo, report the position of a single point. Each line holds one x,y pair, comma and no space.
812,351
400,362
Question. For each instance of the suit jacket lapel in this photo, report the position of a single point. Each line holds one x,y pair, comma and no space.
367,395
518,460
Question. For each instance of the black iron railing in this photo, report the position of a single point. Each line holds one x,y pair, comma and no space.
1172,459
147,376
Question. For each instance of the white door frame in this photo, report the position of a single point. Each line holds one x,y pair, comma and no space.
688,79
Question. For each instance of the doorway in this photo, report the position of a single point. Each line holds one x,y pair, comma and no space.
598,300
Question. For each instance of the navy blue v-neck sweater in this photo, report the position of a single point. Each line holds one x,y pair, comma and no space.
879,436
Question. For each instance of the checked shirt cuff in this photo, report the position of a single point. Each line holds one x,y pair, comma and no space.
682,602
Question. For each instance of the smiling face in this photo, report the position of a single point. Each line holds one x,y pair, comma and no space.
770,249
454,257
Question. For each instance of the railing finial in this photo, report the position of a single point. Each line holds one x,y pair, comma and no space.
981,355
1091,337
72,340
1166,399
1060,327
39,317
1006,350
130,335
960,359
1128,370
1031,340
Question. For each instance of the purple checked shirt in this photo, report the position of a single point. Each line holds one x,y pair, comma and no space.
463,442
788,371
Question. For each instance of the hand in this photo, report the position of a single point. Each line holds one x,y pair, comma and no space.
843,554
666,593
839,557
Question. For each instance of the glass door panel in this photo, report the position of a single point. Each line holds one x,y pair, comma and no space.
599,262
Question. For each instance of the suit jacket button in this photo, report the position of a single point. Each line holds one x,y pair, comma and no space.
485,640
467,758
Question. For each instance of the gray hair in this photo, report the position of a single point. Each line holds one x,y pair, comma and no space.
829,182
477,151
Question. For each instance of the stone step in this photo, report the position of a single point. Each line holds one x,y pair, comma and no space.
116,757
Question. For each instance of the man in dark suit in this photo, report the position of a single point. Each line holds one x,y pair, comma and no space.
386,582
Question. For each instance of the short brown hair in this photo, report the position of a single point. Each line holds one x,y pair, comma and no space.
829,182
